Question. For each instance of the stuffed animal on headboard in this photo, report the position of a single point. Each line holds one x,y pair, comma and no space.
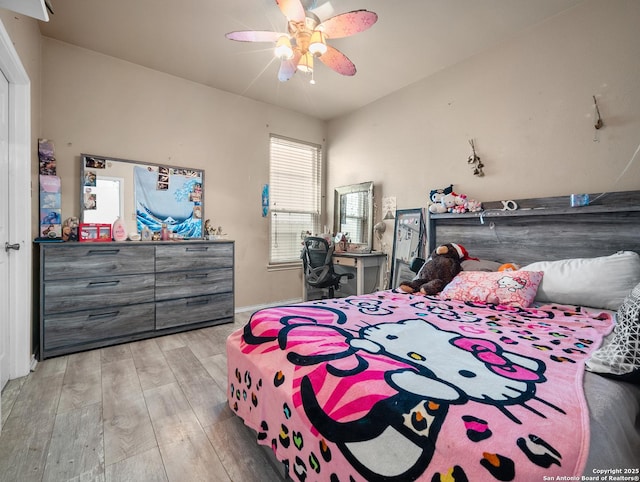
441,267
435,199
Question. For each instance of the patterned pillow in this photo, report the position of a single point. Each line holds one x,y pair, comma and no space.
517,288
619,356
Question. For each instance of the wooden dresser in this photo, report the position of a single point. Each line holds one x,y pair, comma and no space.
98,294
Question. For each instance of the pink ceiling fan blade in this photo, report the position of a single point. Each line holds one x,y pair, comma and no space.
337,61
349,23
292,9
289,67
254,36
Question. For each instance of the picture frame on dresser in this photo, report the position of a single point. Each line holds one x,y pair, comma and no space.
94,232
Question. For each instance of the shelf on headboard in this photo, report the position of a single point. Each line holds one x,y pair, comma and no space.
488,213
608,202
543,228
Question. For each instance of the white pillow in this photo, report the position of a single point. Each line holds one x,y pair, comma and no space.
602,282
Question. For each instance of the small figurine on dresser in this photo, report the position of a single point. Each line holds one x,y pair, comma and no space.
210,231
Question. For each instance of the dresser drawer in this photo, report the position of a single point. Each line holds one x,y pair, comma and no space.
78,261
193,310
193,283
193,256
100,292
90,326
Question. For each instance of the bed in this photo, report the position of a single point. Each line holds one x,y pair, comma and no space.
391,386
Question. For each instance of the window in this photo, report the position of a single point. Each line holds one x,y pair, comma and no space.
109,201
354,215
294,196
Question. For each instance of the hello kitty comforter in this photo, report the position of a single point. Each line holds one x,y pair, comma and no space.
391,386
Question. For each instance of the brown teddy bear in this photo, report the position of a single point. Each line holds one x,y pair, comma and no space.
441,267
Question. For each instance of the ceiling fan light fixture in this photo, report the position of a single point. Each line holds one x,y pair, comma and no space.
283,48
306,63
318,43
306,37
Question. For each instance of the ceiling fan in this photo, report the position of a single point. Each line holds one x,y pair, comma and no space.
306,39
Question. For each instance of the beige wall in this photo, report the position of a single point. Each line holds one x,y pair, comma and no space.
25,35
96,104
528,105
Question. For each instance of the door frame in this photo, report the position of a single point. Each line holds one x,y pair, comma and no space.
20,284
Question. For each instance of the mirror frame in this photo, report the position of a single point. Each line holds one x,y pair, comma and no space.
130,190
351,188
408,222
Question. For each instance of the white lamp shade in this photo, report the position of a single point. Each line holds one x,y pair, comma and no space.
283,48
317,43
306,63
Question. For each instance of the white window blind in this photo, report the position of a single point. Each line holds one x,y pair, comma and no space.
294,196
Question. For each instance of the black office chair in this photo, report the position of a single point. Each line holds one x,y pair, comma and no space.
318,266
416,264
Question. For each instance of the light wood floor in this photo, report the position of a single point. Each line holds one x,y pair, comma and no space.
152,410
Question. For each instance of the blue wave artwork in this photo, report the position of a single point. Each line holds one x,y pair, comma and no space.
171,206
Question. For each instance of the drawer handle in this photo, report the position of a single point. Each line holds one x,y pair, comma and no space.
97,284
197,248
198,302
196,275
109,314
103,252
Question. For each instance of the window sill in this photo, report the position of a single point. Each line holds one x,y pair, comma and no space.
284,266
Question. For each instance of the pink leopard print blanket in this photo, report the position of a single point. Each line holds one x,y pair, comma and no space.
398,387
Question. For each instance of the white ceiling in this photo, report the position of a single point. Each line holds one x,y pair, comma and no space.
411,40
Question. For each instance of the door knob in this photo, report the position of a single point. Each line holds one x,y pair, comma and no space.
8,246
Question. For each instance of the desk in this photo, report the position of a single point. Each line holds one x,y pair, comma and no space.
368,269
362,261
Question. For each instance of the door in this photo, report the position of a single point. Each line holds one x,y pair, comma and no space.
4,231
15,209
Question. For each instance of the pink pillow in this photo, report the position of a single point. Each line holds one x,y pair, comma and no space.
516,288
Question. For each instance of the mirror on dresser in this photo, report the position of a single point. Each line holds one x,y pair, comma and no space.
353,213
142,194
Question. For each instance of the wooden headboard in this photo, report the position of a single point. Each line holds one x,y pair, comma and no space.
543,228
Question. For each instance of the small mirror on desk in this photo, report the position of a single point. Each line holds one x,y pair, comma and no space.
353,215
